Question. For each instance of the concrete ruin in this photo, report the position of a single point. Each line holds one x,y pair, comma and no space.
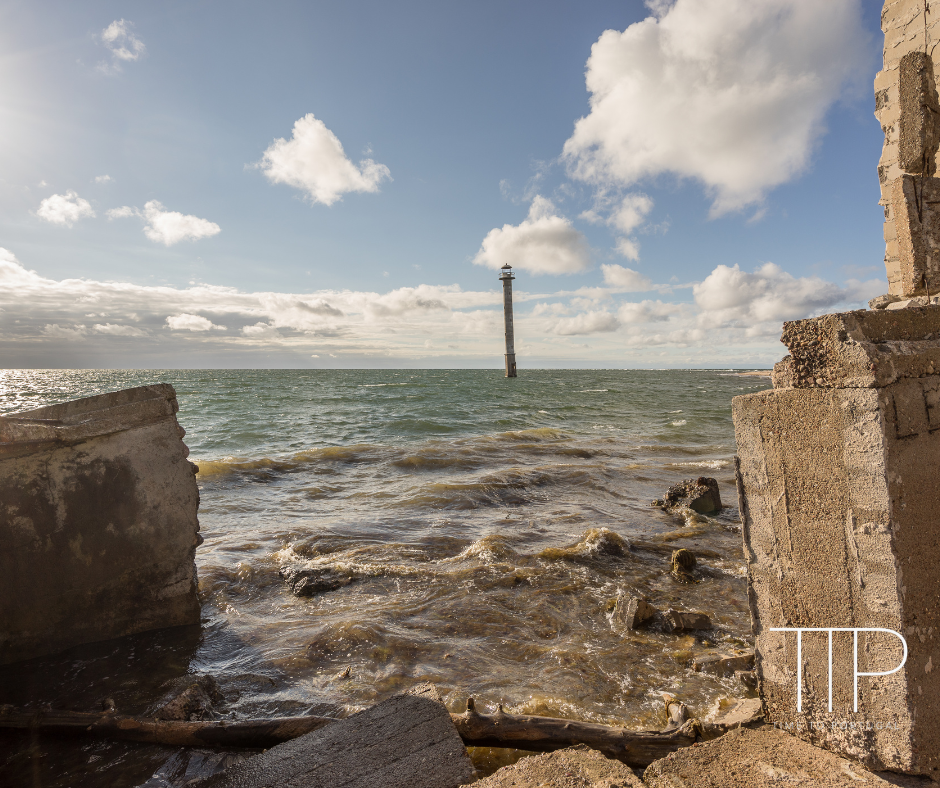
98,526
837,471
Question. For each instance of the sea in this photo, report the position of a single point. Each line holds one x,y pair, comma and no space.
488,526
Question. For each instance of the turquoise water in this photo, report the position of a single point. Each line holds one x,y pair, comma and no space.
486,523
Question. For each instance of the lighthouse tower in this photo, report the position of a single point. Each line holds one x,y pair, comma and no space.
506,278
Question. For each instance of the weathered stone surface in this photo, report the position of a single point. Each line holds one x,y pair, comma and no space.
682,621
860,349
882,301
403,742
839,497
307,582
700,495
722,664
98,525
575,767
916,204
746,758
918,135
188,765
631,612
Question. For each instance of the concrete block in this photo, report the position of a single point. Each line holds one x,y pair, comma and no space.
98,525
683,621
761,758
919,134
575,767
861,349
404,742
838,496
916,204
722,664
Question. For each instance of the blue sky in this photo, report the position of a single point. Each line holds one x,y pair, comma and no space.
723,178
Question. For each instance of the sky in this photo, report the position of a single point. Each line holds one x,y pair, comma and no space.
336,184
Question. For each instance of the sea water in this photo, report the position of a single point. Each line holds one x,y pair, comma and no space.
488,525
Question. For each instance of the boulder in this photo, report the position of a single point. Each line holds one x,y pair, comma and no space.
574,767
631,612
755,758
307,582
404,742
700,495
722,664
194,701
683,621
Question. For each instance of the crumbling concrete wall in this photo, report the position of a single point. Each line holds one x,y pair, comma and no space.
908,108
98,525
841,510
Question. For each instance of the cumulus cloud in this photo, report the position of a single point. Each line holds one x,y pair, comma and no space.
544,243
729,92
187,322
314,161
56,331
769,294
122,43
103,178
626,280
168,227
65,209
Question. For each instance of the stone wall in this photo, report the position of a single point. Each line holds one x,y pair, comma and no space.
98,525
841,510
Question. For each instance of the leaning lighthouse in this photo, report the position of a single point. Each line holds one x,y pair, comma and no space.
506,278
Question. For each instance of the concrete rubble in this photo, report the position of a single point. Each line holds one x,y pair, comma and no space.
754,758
407,741
98,527
575,767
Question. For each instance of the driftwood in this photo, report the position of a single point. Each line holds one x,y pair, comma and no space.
544,734
519,731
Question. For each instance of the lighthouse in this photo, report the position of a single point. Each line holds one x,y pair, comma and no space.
506,278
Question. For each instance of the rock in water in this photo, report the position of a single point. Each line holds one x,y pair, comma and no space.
575,767
700,495
631,612
720,664
194,702
403,742
681,621
307,582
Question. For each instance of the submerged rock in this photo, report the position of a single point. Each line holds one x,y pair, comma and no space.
190,701
683,562
700,495
307,582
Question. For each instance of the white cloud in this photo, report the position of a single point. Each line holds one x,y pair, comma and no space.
168,227
626,280
592,322
313,160
65,209
103,178
56,331
188,322
770,295
543,243
729,92
116,330
122,43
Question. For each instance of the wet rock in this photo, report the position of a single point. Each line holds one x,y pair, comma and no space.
766,756
403,742
574,767
720,664
682,564
700,495
631,612
188,765
190,701
307,582
682,621
739,713
747,677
